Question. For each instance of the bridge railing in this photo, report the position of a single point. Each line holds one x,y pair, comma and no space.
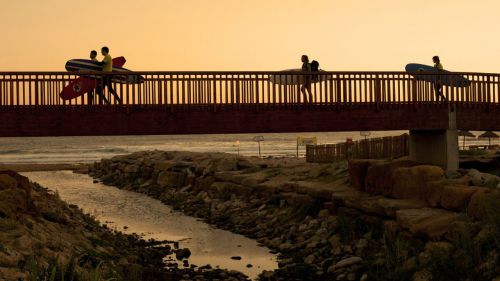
228,90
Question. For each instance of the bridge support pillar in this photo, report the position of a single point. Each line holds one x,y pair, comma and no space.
436,147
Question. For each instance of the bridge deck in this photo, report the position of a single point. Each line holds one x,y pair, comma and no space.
244,102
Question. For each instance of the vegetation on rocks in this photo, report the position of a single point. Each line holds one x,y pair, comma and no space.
370,220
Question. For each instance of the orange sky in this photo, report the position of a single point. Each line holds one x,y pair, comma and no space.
252,34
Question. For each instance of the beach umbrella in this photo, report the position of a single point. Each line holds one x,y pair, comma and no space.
489,135
465,133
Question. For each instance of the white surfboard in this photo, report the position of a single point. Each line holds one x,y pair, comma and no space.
290,79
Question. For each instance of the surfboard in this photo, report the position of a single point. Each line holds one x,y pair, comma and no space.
290,79
83,84
418,70
79,65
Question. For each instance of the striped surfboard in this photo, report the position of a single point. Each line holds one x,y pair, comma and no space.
81,65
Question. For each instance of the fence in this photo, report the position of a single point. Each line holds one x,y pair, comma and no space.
234,90
375,148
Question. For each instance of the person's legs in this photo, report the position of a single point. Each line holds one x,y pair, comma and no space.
304,92
100,92
306,89
437,90
109,84
90,97
310,93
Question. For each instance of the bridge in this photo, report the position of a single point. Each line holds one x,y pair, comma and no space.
247,102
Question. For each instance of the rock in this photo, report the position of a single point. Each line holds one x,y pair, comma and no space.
362,243
297,200
14,202
382,206
12,274
476,203
310,259
134,168
423,275
181,254
249,265
433,246
24,244
7,182
483,179
379,178
9,258
267,274
285,246
347,262
170,179
323,213
237,258
357,172
227,164
335,241
433,193
428,222
456,197
411,182
450,174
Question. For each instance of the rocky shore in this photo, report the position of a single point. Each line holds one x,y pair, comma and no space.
366,220
44,238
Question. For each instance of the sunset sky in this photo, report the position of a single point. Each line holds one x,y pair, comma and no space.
252,34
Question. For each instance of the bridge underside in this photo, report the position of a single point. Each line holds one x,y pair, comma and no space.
23,121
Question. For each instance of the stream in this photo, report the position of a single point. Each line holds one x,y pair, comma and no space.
132,212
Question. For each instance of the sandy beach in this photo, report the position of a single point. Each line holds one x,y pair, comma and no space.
30,167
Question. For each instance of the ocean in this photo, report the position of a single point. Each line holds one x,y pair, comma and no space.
57,150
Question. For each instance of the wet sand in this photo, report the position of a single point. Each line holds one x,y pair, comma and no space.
28,167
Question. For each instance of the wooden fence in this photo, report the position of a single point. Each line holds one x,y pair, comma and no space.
375,148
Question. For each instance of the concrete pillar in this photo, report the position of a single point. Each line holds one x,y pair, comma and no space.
437,147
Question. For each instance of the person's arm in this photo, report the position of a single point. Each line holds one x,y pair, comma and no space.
101,63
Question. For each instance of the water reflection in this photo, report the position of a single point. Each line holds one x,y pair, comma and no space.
132,212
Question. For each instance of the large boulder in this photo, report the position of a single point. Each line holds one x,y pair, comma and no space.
223,188
357,172
171,179
15,194
7,182
483,179
411,182
382,206
456,197
475,208
379,178
427,222
433,190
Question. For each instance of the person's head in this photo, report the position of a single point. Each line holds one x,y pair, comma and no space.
104,51
93,54
305,58
436,59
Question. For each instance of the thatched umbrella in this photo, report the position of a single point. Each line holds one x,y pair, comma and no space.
489,135
464,133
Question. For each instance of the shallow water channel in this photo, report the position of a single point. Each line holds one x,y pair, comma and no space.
132,212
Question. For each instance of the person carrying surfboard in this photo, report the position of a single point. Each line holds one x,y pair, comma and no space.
437,86
107,66
93,58
306,87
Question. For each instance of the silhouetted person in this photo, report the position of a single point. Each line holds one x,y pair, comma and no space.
438,87
306,86
93,58
107,66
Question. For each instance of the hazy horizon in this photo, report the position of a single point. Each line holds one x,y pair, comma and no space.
251,35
